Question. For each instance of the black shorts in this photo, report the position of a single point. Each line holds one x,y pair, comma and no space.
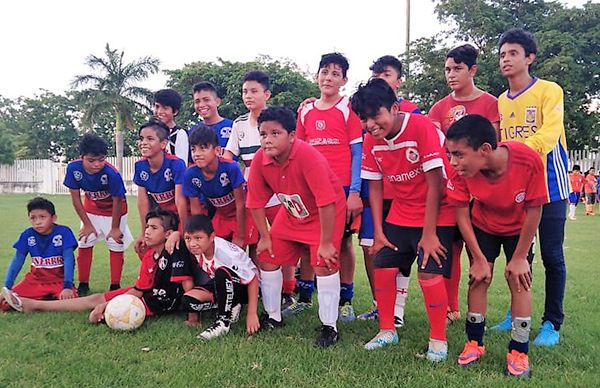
590,198
490,245
406,240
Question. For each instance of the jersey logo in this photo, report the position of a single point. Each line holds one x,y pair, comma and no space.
520,197
77,175
104,179
241,135
224,179
31,241
449,185
294,205
225,132
458,112
196,182
512,115
168,175
162,263
321,125
412,155
57,240
144,176
530,115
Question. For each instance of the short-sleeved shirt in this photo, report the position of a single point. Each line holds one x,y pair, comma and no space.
160,184
219,189
449,110
99,189
500,204
408,106
403,161
222,129
179,144
303,183
230,256
244,140
590,185
577,180
187,267
331,131
46,251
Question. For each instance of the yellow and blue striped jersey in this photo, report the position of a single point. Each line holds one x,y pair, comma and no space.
534,116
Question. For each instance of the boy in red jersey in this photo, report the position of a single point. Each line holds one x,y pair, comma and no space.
406,149
577,181
590,187
314,217
484,169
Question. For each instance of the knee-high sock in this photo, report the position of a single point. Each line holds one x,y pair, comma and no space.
401,294
270,285
453,283
436,304
328,296
84,264
288,286
572,209
116,266
385,293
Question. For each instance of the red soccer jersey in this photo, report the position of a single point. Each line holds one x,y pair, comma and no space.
577,180
499,204
591,185
447,110
331,131
402,161
303,183
145,280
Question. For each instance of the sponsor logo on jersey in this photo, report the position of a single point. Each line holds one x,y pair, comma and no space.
144,175
224,179
57,240
405,176
222,201
31,241
104,179
47,262
97,195
78,175
324,141
412,155
530,115
178,264
163,197
520,197
320,125
168,175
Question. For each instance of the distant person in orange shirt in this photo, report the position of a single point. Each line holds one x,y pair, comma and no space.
577,181
590,187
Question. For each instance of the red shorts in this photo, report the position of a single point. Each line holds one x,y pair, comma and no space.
112,294
227,228
288,252
32,288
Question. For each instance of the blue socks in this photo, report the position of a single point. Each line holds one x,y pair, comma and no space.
346,293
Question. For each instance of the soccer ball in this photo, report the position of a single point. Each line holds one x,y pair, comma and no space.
125,312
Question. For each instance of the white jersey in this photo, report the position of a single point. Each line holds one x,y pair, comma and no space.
232,257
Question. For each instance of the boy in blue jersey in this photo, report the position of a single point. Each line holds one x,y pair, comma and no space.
158,175
103,213
51,247
206,105
531,111
221,182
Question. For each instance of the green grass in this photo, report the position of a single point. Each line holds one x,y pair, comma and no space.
62,349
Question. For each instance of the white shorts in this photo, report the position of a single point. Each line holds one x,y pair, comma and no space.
103,225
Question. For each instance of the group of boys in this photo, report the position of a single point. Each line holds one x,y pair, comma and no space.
300,198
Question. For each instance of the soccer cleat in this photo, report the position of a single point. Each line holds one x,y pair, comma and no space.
295,308
372,313
505,325
286,301
517,364
572,218
398,322
114,286
437,351
235,312
547,336
267,323
382,339
83,289
327,336
12,299
471,354
347,313
451,317
218,328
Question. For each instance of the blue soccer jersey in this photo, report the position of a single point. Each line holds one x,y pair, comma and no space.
218,190
160,185
99,188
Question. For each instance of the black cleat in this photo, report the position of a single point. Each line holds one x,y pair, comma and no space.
327,337
83,289
114,286
268,324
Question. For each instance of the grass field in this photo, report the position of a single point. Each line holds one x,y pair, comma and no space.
62,349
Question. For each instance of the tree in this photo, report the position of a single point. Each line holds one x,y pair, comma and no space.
7,149
113,90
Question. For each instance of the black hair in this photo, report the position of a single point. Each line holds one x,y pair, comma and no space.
205,86
475,130
282,115
39,203
168,219
161,129
520,37
169,97
203,136
576,167
380,64
92,144
198,223
336,59
258,76
466,54
370,97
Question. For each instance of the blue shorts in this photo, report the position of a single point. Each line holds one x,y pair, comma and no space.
367,229
574,198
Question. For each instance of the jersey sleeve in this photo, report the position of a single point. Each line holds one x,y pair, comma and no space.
536,194
435,114
300,129
136,174
354,127
236,177
182,265
547,136
116,186
492,112
21,244
369,168
178,169
457,191
69,180
233,144
191,184
259,192
68,238
182,145
145,280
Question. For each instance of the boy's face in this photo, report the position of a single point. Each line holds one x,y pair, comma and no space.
93,164
150,144
381,123
513,60
155,233
41,220
198,242
391,76
275,140
203,155
466,161
330,79
254,95
206,104
458,75
164,113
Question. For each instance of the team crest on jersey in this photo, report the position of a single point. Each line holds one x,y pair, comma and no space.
31,241
104,179
294,205
241,135
321,125
57,240
530,115
450,186
520,197
144,176
77,175
224,179
162,263
512,115
225,132
412,155
196,182
168,175
458,112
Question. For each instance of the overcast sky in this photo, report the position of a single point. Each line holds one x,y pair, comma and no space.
44,43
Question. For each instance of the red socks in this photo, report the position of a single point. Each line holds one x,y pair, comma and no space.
385,294
436,304
453,283
288,286
116,266
84,264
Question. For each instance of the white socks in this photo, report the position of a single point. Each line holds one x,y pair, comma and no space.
328,295
401,294
270,285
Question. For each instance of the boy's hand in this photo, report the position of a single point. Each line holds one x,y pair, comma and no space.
380,241
172,242
252,323
517,271
328,253
140,246
67,293
86,231
306,102
237,240
354,206
116,235
479,272
264,244
431,246
97,314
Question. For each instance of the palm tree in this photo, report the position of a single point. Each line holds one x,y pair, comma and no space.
112,89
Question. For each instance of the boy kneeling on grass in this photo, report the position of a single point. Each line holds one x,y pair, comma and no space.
157,286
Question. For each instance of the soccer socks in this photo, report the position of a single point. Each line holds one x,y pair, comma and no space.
305,290
385,293
288,286
84,264
572,209
401,294
346,293
436,304
116,266
475,327
270,285
519,336
329,298
453,283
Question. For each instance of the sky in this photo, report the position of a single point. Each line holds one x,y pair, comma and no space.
44,43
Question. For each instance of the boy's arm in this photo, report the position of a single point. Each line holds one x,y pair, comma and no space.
376,202
429,243
87,228
143,205
232,148
115,232
240,215
14,268
252,323
518,268
260,218
547,136
187,285
354,202
68,272
326,250
196,206
479,270
182,146
182,205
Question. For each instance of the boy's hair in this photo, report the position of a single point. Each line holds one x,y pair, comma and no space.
169,97
198,223
92,144
258,76
282,115
380,64
161,129
475,130
39,203
205,86
370,97
168,219
520,37
466,54
576,167
203,136
336,59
